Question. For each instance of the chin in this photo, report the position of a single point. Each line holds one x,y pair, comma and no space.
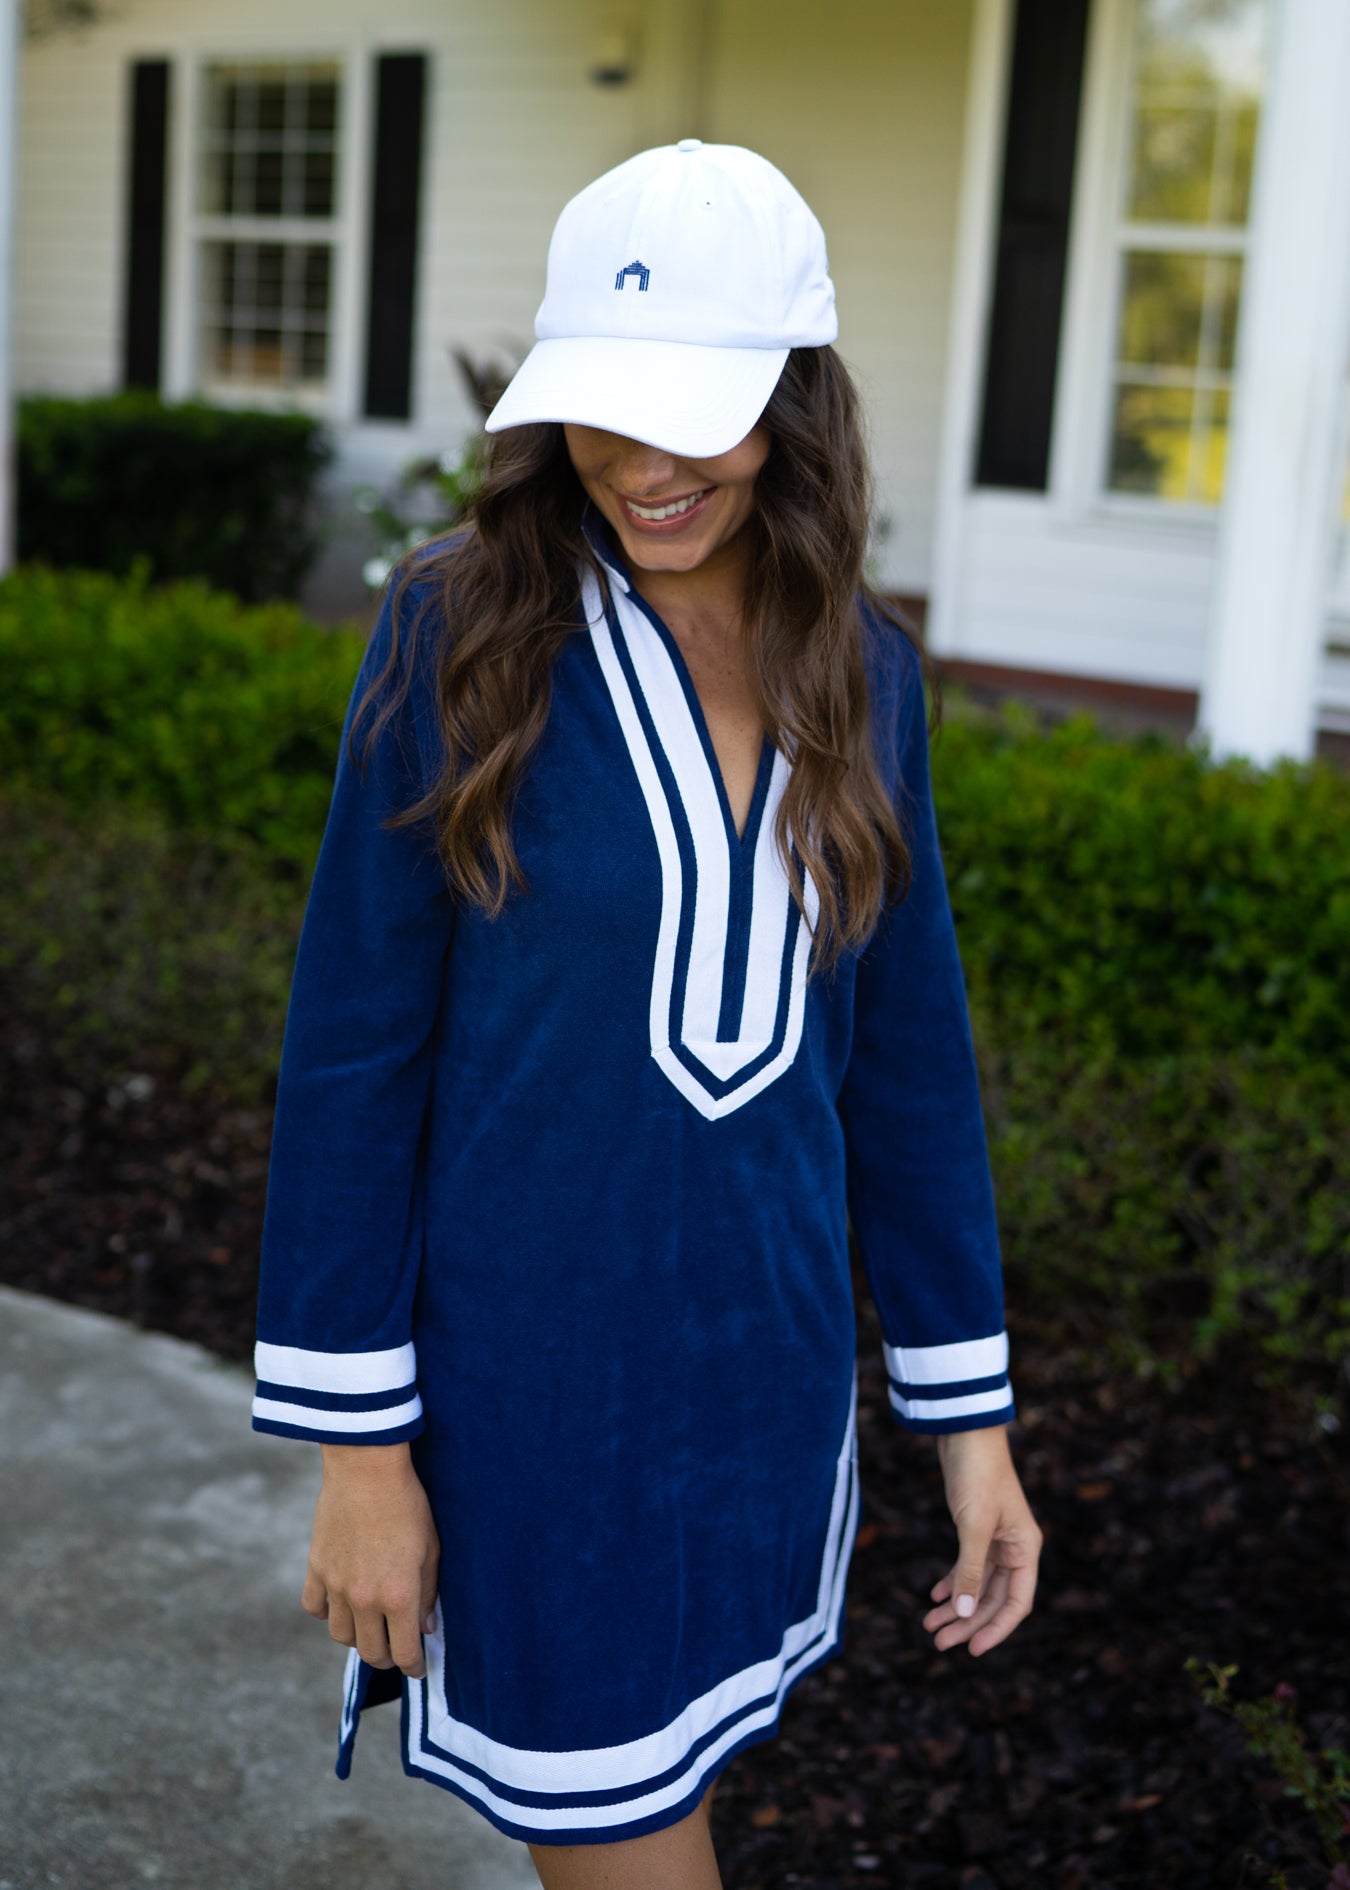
667,557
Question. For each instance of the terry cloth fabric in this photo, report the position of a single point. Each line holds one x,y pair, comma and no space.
563,1197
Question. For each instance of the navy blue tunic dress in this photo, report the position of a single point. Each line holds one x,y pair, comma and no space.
563,1198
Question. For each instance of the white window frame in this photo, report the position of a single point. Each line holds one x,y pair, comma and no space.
189,228
1081,441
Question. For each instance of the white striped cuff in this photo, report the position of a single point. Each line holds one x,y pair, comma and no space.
951,1387
337,1397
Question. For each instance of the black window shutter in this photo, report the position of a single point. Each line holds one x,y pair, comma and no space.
400,92
143,309
1033,243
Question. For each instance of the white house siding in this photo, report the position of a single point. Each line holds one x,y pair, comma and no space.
1117,597
862,108
862,103
1128,600
69,235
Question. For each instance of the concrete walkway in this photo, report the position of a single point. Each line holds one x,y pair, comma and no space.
168,1715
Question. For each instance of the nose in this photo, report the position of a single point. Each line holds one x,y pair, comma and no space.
640,469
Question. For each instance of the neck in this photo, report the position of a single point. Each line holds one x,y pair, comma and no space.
710,597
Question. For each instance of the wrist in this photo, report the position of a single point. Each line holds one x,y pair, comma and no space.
985,1440
365,1463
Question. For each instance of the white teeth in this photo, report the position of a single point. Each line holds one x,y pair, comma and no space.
667,511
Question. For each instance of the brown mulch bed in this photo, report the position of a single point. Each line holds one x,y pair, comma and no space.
1209,1521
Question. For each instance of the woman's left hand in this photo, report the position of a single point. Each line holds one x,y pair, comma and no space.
991,1586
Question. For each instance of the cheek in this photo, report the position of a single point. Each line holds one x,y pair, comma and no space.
587,454
741,499
740,475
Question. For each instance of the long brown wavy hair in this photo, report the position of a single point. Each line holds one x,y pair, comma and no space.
508,587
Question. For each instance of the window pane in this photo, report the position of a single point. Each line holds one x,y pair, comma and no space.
1233,187
265,312
1151,441
272,102
1173,164
313,356
1211,449
317,198
269,141
267,181
269,294
314,280
1199,68
1198,76
1162,310
321,105
216,193
1225,297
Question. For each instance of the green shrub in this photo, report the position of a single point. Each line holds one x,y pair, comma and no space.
1318,1777
138,949
224,718
1177,1205
192,491
1132,897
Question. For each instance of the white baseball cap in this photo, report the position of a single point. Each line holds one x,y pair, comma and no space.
677,283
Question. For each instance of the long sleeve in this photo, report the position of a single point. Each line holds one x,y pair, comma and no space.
921,1196
342,1237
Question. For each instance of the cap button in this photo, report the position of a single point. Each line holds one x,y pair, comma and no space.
690,144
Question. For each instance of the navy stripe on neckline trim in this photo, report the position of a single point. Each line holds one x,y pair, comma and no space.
716,1086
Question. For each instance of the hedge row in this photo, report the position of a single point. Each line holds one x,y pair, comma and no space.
1132,895
187,491
224,718
1174,1204
139,948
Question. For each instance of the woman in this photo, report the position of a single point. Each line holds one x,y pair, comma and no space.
628,976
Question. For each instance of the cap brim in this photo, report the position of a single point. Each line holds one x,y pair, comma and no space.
687,399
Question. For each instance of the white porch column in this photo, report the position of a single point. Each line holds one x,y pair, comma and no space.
1276,524
9,153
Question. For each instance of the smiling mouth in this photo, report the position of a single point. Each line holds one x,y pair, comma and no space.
672,508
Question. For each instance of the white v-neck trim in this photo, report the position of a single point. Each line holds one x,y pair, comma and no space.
702,1066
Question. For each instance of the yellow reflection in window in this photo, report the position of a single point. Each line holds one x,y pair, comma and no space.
1195,104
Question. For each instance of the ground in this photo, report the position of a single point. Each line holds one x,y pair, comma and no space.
1207,1521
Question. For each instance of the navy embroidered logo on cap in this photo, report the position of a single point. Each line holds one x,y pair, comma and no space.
640,270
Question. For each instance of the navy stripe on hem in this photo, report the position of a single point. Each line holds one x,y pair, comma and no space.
972,1421
336,1400
639,1827
316,1434
950,1388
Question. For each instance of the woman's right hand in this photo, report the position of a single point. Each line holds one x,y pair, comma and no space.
373,1555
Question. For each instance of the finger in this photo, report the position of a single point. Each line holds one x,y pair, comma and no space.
975,1537
1017,1606
340,1624
314,1597
964,1581
951,1630
429,1597
372,1641
946,1610
405,1643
